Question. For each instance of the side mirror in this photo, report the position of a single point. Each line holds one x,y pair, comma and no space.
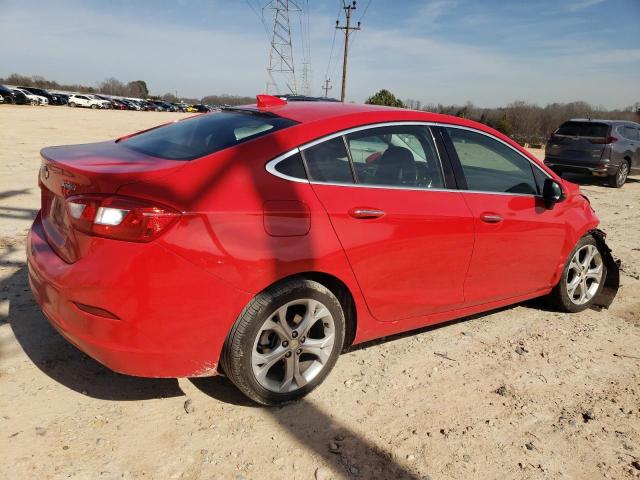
552,192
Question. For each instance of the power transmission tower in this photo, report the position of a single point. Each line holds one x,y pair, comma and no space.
326,87
281,51
348,9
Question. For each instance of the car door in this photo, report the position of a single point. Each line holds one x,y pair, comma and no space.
632,134
518,240
407,236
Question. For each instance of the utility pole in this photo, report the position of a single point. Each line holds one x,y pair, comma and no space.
348,9
326,87
281,51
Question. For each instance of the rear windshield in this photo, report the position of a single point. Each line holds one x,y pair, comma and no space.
206,134
584,129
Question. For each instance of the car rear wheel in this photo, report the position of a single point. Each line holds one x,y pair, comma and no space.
619,179
285,342
94,106
582,279
72,104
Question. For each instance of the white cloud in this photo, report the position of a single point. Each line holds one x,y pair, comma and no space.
583,4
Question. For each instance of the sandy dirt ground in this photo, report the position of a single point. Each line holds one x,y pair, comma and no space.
524,392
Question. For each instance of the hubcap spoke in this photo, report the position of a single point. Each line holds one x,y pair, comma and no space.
282,321
571,288
289,370
301,381
321,348
316,311
595,273
277,327
262,362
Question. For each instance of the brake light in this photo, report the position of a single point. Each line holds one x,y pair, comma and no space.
119,218
604,141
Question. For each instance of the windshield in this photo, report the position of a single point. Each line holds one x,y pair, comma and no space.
199,136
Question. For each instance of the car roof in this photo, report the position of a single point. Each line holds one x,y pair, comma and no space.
354,113
601,120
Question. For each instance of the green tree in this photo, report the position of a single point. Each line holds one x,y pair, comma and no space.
385,97
138,88
503,125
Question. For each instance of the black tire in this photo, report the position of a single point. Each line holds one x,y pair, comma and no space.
94,106
620,177
236,359
72,104
559,296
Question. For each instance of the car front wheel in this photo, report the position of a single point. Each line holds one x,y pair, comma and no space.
285,342
582,279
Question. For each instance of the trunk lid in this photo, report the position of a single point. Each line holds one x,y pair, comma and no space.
97,168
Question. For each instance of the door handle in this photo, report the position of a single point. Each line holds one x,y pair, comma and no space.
364,213
491,218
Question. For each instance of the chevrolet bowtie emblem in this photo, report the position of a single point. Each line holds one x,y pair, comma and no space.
69,186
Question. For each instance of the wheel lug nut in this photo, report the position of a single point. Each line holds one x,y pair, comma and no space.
303,339
285,344
288,354
298,351
294,334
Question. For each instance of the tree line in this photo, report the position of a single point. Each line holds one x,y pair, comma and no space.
523,121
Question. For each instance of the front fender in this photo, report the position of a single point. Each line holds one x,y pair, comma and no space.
612,272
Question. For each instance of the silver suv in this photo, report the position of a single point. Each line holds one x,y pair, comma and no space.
606,148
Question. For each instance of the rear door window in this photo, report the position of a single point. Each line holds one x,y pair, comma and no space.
629,133
402,156
329,162
206,134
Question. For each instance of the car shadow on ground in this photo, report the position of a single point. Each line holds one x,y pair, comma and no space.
345,450
582,179
60,360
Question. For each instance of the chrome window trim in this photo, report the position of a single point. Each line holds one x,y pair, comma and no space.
270,166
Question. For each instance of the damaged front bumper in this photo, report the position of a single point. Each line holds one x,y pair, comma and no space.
612,273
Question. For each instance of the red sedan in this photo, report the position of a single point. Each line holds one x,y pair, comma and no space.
261,241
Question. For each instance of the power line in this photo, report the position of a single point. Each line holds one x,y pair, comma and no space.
260,16
365,11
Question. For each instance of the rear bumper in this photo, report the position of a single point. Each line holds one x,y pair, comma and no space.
598,169
172,316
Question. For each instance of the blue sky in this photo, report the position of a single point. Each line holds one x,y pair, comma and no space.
490,52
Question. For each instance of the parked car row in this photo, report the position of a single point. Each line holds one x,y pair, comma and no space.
38,96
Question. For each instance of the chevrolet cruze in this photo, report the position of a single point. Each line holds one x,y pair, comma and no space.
259,242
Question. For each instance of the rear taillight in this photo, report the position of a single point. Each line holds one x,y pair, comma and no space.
604,141
120,218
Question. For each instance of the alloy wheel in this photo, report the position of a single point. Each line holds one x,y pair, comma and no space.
622,174
293,345
584,274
